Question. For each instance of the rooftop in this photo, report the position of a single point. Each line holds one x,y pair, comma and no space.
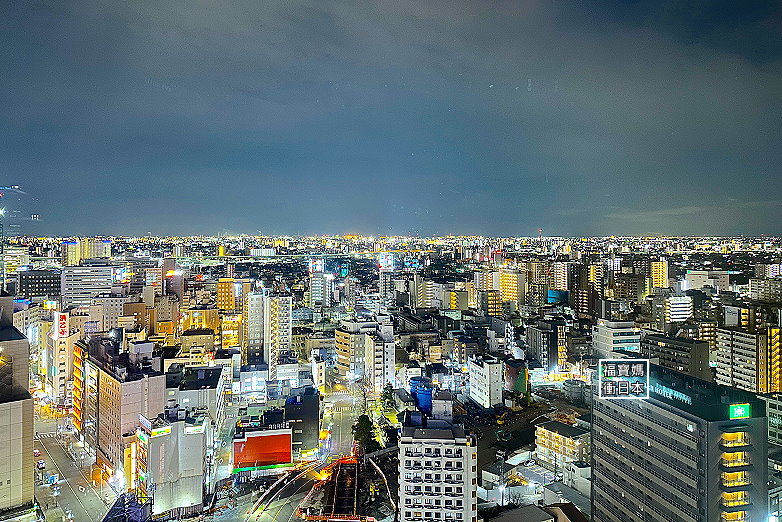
566,430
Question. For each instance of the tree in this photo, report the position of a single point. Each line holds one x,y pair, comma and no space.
364,434
388,394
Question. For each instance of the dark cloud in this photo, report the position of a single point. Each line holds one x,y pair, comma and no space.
394,117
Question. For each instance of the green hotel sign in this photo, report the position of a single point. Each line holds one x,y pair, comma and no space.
740,411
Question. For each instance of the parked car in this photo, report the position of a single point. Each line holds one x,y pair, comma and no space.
36,453
41,464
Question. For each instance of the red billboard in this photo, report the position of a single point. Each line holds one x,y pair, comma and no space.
261,449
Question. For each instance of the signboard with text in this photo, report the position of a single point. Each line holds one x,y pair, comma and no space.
623,378
60,325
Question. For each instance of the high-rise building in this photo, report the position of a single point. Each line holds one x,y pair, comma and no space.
57,359
717,279
321,290
750,361
38,283
766,290
678,308
79,284
659,274
231,293
437,473
693,451
486,280
73,251
109,394
608,336
353,342
487,380
681,354
547,343
106,309
513,286
537,283
269,326
17,487
490,302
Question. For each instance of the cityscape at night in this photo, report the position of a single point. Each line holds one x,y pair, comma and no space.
465,261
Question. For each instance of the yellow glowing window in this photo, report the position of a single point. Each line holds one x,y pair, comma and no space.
735,439
736,498
736,478
733,456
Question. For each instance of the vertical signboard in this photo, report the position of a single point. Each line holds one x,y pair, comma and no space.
60,328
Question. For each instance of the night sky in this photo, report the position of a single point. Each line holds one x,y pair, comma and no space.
394,117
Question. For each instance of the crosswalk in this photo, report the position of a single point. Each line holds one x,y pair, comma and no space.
48,435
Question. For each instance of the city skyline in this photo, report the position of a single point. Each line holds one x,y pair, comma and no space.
606,118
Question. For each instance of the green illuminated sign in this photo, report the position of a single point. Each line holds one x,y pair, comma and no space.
740,411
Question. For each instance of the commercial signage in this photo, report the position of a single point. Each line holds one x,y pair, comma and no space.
669,393
190,430
740,411
623,378
157,432
145,423
316,266
60,325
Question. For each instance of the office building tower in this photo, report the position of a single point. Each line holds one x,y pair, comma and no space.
681,354
608,336
750,361
693,451
38,283
73,251
57,359
111,389
547,343
106,309
437,473
79,284
15,257
17,485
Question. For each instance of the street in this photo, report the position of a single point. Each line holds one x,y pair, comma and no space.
77,494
